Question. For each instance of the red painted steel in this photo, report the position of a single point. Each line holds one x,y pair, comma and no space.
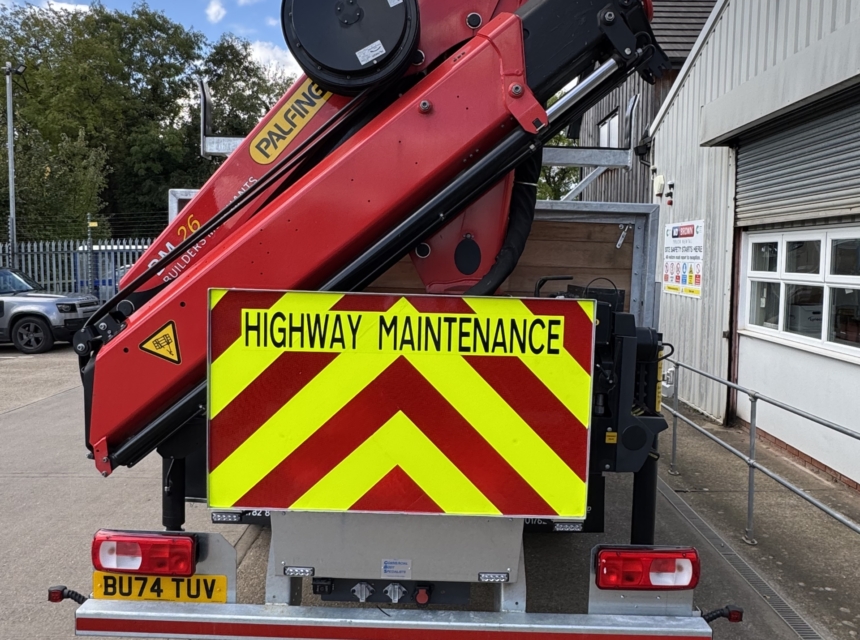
485,222
386,170
262,630
238,173
443,25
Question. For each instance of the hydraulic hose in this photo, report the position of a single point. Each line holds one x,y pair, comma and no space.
523,202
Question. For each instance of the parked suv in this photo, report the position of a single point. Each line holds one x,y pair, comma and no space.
33,319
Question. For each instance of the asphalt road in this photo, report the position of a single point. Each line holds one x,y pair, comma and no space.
52,500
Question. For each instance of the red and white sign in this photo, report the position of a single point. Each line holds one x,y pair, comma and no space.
683,255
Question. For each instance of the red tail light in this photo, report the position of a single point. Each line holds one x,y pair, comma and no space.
649,9
145,553
653,569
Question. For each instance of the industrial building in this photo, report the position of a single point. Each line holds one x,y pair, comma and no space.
758,146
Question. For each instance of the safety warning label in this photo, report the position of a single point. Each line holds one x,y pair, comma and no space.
683,255
163,343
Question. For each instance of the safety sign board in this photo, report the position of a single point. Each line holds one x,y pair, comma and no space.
399,404
164,344
683,255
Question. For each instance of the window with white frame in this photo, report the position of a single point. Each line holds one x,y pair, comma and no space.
608,132
805,286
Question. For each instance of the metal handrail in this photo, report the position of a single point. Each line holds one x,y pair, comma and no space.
750,459
776,403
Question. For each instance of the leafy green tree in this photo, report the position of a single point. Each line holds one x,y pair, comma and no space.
557,182
128,81
56,186
243,90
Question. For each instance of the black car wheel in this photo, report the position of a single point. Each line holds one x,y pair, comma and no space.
32,335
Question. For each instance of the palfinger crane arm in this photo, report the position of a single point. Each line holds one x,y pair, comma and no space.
395,165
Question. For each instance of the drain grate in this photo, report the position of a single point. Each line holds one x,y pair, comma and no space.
780,606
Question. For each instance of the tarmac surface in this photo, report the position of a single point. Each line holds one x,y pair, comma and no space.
52,501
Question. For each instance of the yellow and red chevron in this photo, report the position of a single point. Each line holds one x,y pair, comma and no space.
404,430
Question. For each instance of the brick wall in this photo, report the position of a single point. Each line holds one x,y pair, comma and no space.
801,458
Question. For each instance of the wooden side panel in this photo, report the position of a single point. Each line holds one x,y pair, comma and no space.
584,251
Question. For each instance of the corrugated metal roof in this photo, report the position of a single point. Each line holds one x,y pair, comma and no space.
678,23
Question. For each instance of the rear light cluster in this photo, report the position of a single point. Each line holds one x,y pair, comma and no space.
145,553
652,569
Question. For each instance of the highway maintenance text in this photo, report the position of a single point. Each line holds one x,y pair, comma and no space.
366,332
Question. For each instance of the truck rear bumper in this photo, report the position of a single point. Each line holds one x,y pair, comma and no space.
170,620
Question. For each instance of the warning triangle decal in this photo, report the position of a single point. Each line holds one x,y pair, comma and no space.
163,343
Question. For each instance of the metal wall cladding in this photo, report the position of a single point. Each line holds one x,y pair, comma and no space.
743,39
623,185
808,170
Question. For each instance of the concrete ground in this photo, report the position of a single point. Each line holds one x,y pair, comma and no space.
52,501
812,560
26,379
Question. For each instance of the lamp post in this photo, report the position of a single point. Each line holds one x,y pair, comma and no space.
13,239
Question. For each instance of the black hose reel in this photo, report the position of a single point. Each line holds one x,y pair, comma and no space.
346,46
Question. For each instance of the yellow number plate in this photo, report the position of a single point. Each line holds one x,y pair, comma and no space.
115,586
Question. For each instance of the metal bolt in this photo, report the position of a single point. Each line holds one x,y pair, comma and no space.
103,326
81,348
607,467
609,17
627,51
105,459
104,474
516,90
425,107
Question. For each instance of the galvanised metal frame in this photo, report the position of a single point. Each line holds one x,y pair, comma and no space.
179,620
750,459
644,219
212,145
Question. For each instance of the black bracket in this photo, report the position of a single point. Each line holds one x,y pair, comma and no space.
612,23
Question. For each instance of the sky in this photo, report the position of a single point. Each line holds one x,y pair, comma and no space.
255,20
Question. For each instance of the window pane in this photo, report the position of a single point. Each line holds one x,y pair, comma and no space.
613,132
764,304
604,134
803,256
764,256
845,316
846,257
803,307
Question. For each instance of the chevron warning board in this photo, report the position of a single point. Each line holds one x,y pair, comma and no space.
399,404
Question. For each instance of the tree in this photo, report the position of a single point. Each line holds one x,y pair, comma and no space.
128,81
557,182
56,187
243,89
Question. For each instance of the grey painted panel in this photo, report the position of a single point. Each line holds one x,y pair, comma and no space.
743,39
810,169
436,548
826,66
